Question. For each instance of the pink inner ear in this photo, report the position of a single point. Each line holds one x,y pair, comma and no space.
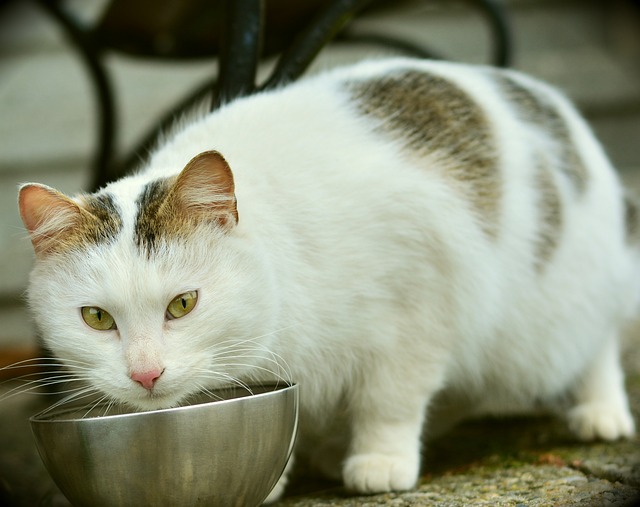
34,201
208,169
206,182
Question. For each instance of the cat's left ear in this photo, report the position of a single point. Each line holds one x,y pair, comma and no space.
206,186
50,217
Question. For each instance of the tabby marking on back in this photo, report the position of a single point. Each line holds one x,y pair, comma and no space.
432,116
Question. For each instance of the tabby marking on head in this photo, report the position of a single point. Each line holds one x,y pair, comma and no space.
59,224
153,219
170,208
433,116
105,221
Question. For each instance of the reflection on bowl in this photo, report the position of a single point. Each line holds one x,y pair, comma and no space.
227,452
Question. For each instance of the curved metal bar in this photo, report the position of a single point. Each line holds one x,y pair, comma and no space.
307,45
90,55
239,59
240,45
501,29
326,26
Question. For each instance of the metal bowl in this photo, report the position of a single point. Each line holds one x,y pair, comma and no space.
229,452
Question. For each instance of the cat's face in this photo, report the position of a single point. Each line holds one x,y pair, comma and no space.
149,313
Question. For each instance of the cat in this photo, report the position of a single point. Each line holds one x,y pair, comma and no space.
388,235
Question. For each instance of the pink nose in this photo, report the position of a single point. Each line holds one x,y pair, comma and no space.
146,379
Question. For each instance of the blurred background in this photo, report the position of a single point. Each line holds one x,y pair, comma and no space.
160,51
49,118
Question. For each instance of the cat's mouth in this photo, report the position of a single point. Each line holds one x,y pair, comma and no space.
154,399
153,403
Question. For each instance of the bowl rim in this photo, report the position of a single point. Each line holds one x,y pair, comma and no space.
52,415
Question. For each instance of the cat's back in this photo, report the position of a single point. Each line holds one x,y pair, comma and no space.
455,115
502,160
507,149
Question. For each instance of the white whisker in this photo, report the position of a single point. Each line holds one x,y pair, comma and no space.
74,397
209,393
261,369
225,377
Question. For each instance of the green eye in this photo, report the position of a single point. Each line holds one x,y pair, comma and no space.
97,318
182,304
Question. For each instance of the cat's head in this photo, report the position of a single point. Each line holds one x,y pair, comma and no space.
150,290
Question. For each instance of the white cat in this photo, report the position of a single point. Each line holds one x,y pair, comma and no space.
403,229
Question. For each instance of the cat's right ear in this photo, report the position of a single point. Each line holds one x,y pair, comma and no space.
48,215
205,187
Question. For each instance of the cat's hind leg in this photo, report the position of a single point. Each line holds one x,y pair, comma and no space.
601,408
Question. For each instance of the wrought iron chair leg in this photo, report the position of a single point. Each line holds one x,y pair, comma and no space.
241,42
90,55
494,11
240,46
502,38
308,44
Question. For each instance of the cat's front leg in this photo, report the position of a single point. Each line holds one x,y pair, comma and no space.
387,425
386,458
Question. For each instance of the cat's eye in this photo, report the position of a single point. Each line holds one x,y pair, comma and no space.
182,304
98,319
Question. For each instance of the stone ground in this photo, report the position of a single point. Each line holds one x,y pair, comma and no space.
510,462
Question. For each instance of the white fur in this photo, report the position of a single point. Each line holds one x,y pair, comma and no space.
364,276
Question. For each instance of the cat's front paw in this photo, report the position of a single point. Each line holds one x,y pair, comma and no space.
378,473
592,421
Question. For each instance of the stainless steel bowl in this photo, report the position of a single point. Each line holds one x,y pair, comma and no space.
215,453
